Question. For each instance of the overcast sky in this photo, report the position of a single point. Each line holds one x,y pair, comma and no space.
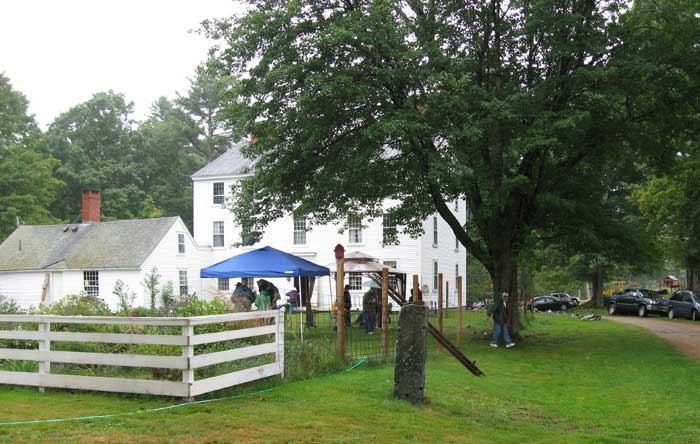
60,52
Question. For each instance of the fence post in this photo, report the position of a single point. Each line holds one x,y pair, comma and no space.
385,311
340,298
44,346
279,339
188,353
417,298
440,306
447,298
459,309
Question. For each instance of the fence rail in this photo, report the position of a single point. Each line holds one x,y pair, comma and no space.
187,362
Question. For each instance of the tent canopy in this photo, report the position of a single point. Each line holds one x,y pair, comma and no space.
263,262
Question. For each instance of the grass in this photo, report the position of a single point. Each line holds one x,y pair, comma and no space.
567,381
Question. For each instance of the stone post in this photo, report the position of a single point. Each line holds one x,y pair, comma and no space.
411,353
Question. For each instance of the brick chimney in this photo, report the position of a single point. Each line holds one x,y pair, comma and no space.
91,206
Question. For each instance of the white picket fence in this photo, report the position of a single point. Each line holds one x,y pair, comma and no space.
188,362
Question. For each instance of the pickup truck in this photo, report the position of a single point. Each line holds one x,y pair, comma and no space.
637,300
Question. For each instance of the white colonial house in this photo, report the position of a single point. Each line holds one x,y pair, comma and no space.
437,251
43,263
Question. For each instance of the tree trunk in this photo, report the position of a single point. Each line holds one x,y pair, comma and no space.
505,279
692,271
597,284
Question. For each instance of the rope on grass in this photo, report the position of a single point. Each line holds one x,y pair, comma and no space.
157,409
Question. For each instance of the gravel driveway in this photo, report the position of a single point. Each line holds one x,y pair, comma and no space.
685,336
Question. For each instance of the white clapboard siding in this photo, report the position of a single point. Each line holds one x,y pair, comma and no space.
208,338
187,361
98,383
235,378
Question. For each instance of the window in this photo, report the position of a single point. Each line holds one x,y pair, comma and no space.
218,240
355,281
91,283
435,275
392,277
388,230
180,243
456,243
218,193
222,284
183,282
456,204
246,235
299,230
354,230
435,231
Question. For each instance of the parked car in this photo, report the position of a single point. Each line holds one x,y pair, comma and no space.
564,297
544,303
575,300
684,303
638,300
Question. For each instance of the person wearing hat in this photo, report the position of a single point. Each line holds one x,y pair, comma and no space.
499,311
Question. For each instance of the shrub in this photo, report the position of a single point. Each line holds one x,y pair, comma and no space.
125,297
80,304
8,306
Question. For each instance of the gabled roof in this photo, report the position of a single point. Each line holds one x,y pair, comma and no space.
103,245
231,163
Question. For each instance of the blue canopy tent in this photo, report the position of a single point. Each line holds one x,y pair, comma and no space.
268,262
264,262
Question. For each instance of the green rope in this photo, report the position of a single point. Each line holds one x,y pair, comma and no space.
158,409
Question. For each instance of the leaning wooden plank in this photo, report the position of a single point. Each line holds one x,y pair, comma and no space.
117,338
235,378
232,317
98,383
228,335
117,359
25,335
233,355
109,320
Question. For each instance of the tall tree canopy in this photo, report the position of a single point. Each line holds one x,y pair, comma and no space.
514,105
27,185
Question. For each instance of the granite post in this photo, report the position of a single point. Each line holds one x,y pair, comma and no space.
411,353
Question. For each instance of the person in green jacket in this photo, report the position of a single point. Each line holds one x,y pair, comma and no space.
499,312
262,302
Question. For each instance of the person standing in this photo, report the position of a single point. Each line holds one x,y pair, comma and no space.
499,312
347,305
369,309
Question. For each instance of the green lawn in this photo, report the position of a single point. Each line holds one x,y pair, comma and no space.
568,381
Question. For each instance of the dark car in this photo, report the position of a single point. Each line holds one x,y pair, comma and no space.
684,304
638,300
544,303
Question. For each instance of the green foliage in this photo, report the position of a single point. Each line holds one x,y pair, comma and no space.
78,305
8,305
199,307
27,185
125,297
150,283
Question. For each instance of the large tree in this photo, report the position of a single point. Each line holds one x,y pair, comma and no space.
27,185
513,105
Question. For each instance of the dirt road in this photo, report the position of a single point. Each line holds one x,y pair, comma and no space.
685,336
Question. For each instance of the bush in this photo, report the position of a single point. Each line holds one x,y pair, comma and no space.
8,306
78,305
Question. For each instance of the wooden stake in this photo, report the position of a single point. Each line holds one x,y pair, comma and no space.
385,311
447,299
339,303
459,309
440,306
417,298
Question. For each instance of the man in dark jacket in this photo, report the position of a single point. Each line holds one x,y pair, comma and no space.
347,305
369,309
499,311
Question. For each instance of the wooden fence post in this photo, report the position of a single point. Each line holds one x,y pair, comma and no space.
459,309
417,298
188,353
340,300
447,298
44,346
385,311
440,302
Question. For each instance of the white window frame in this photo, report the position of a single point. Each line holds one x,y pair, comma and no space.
182,280
392,277
389,230
181,243
223,284
354,230
435,231
91,283
355,281
218,199
435,275
218,239
299,230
